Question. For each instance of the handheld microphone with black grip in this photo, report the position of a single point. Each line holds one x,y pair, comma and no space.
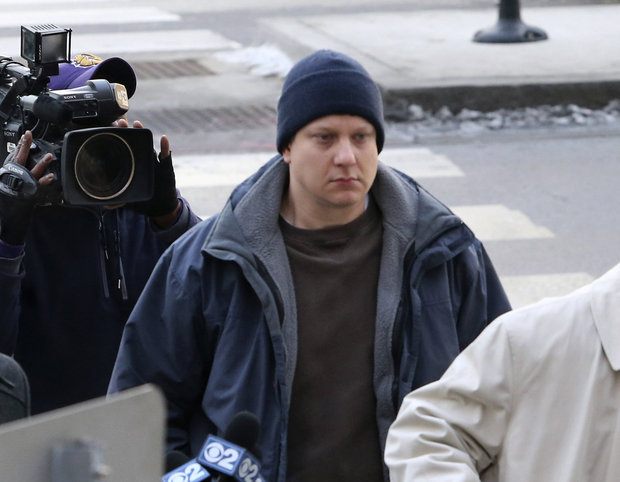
175,459
229,457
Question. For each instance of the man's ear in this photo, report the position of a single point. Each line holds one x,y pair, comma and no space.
286,154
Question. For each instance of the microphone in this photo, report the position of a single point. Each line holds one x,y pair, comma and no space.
175,459
224,459
180,468
230,457
243,430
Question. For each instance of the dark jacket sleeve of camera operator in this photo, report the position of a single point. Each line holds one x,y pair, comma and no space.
185,220
161,341
11,275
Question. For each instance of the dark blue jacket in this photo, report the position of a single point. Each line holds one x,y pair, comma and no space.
64,306
215,327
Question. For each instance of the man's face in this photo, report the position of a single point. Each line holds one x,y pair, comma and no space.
333,163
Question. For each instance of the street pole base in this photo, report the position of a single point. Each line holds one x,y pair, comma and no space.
510,31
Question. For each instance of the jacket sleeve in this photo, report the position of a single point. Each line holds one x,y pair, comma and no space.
187,219
479,295
160,344
11,276
452,429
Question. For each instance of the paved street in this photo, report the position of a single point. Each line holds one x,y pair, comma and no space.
209,75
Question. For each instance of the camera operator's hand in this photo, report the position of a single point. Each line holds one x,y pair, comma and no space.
164,206
16,214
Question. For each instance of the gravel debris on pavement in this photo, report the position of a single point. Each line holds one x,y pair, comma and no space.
422,123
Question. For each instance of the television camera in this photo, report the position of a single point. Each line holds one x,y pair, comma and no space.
93,162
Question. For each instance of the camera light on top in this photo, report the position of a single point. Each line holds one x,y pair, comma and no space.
43,45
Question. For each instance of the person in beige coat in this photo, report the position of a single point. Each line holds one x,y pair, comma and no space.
536,397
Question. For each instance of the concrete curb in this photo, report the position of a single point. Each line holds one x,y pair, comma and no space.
595,94
428,57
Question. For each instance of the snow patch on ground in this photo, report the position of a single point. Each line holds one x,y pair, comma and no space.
263,60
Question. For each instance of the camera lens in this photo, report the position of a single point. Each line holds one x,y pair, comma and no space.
104,166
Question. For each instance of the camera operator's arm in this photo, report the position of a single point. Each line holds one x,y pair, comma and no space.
166,209
15,217
165,206
15,214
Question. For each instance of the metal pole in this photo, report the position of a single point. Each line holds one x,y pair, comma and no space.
509,27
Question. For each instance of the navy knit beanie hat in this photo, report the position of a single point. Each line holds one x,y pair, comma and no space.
326,83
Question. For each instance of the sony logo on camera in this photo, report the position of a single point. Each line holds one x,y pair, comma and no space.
93,163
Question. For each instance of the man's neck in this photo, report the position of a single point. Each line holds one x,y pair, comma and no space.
303,218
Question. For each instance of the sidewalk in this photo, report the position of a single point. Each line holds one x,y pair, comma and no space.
428,57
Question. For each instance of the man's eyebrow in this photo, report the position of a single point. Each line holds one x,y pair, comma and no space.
321,129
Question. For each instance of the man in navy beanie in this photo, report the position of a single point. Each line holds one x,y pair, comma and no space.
329,286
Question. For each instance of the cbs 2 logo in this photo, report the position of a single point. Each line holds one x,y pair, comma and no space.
227,457
248,471
224,457
189,474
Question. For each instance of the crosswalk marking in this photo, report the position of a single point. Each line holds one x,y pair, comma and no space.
496,222
527,289
120,43
49,3
122,13
231,169
217,169
420,162
160,41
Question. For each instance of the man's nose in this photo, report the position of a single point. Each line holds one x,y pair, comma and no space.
344,152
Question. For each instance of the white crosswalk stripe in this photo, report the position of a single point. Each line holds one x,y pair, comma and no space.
20,4
106,44
231,169
527,289
132,42
86,16
496,222
159,40
421,162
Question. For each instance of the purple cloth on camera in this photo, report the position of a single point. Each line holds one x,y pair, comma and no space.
84,67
